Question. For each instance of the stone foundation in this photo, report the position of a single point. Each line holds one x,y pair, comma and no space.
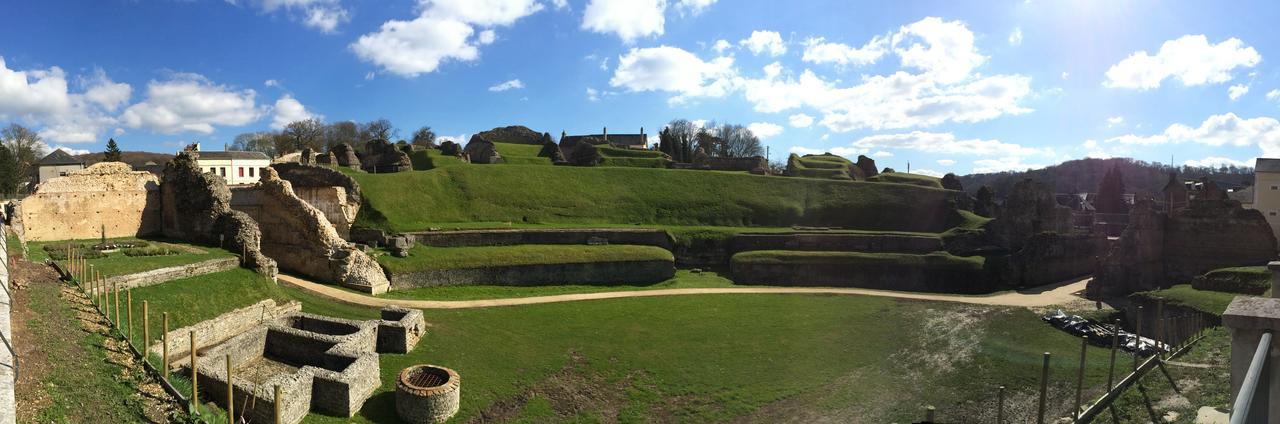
400,329
221,328
595,273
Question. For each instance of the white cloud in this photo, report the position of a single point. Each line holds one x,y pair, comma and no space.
289,110
191,103
946,162
1234,92
33,92
73,151
928,172
693,7
271,83
323,15
1015,37
1216,161
761,42
848,152
1115,120
800,120
881,154
942,144
673,69
764,130
818,50
628,19
1190,59
1065,75
595,95
1273,94
986,166
443,31
560,4
326,19
104,92
43,98
1217,130
721,45
941,49
508,85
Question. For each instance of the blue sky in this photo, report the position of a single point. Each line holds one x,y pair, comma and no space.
949,86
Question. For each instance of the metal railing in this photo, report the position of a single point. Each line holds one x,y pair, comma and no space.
1251,403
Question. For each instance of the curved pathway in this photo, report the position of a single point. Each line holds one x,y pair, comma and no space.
1056,294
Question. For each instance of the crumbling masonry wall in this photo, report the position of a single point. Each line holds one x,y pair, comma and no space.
335,194
108,196
197,206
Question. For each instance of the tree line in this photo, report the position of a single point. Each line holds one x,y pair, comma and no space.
682,139
319,136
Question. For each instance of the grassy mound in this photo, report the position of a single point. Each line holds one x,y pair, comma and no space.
825,166
1254,280
410,201
431,159
901,178
422,258
1214,302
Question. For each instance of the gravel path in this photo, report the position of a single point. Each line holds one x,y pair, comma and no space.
1057,294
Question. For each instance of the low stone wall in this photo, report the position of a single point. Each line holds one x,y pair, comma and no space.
596,273
837,273
835,242
504,237
1048,258
223,327
157,276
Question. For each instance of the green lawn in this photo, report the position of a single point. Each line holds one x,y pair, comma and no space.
1213,302
117,263
684,279
904,178
611,195
431,158
188,300
423,258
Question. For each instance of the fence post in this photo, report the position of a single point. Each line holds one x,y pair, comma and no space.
1084,349
928,413
146,333
1115,345
128,322
1000,405
278,414
1161,328
117,289
164,347
231,394
1044,387
195,393
1137,339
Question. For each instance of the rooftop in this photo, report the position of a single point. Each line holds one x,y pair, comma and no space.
229,155
1267,165
59,157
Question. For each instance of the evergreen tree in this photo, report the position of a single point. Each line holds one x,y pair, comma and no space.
1111,193
8,172
951,182
113,152
986,202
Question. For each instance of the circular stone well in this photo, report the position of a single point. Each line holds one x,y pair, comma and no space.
427,394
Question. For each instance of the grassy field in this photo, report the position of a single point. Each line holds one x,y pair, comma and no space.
117,263
602,195
1213,302
684,279
825,166
904,178
188,301
423,258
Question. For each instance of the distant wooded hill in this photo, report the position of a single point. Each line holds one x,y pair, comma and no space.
134,159
1083,175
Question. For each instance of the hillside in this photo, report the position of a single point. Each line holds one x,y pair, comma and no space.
1083,175
535,194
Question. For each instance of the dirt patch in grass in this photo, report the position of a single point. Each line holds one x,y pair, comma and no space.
573,391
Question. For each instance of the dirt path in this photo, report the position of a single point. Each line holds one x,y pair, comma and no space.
1058,294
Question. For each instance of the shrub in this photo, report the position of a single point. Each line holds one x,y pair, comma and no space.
61,255
148,251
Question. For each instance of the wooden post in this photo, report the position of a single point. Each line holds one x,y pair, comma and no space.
1161,329
928,413
1084,349
164,347
231,394
128,323
1000,405
1115,345
146,333
1044,387
1137,339
117,290
195,392
279,419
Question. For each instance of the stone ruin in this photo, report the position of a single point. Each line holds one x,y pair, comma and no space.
107,197
450,148
307,157
381,156
580,152
1159,249
427,394
197,206
517,134
345,155
480,150
867,166
335,194
323,364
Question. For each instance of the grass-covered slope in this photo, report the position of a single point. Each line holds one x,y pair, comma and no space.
422,258
917,179
608,195
825,166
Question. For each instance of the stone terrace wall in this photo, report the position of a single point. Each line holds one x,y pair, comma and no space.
1215,234
463,238
223,327
596,273
836,242
108,196
884,277
197,206
1048,258
157,276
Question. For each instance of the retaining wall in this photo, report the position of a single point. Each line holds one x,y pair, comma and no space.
504,237
221,328
837,273
835,242
594,273
157,276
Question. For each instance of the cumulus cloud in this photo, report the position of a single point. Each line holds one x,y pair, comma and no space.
929,172
672,69
800,120
1273,95
288,110
946,162
1236,91
942,143
1015,37
764,130
765,42
721,45
818,50
38,92
693,7
1217,130
986,166
1115,120
1191,59
44,97
1217,161
507,85
444,30
191,103
940,48
323,15
628,19
104,92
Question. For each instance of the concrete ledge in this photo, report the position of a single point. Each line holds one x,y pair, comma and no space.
157,276
599,273
1252,313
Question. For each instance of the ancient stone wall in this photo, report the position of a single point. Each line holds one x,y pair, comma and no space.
223,327
1049,258
835,242
333,193
107,197
157,276
754,163
301,239
196,206
595,273
836,273
502,237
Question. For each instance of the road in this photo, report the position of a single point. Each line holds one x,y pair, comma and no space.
1057,294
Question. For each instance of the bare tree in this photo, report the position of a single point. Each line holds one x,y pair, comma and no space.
26,148
729,140
341,132
380,128
307,133
424,137
255,142
683,134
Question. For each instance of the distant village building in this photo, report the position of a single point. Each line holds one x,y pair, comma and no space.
237,168
625,141
1266,190
57,164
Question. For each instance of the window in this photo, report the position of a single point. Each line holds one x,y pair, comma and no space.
251,172
241,172
1273,187
1273,214
222,171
